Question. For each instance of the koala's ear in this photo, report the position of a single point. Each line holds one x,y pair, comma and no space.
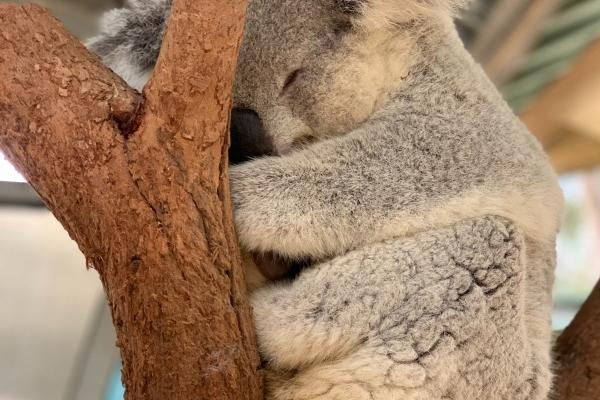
381,13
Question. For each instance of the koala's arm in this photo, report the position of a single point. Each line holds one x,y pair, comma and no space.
378,182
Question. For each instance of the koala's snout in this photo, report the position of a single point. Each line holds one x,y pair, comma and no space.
248,137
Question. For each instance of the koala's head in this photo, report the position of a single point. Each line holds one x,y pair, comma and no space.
313,69
307,69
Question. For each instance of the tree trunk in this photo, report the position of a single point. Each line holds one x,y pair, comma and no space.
141,184
578,354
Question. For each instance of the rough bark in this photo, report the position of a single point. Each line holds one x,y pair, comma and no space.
578,354
142,187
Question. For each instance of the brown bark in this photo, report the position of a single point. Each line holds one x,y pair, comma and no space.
578,354
142,187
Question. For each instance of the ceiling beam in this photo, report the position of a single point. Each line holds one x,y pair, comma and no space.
570,104
18,194
575,152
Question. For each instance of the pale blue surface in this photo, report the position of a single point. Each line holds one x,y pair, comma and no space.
115,390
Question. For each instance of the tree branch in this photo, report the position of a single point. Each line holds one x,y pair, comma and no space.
142,187
578,354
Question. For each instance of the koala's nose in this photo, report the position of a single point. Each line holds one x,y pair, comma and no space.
248,137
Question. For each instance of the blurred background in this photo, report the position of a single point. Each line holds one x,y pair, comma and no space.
56,337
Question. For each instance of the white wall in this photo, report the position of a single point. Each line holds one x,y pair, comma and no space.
47,297
47,300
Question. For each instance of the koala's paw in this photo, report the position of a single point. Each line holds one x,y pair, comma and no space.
276,211
266,210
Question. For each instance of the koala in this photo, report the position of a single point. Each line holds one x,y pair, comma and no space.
370,143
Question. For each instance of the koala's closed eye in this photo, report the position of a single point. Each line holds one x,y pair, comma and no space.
291,78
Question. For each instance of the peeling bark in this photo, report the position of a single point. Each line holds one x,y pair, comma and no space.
141,184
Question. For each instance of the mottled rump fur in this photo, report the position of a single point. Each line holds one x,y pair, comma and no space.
440,315
391,152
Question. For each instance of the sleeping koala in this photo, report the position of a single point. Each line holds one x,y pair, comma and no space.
428,210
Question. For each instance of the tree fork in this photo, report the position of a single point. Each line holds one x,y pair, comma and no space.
141,184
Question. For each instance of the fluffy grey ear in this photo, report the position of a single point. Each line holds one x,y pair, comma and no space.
130,38
381,13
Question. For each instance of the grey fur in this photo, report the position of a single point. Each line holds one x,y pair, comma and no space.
131,37
454,328
411,138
